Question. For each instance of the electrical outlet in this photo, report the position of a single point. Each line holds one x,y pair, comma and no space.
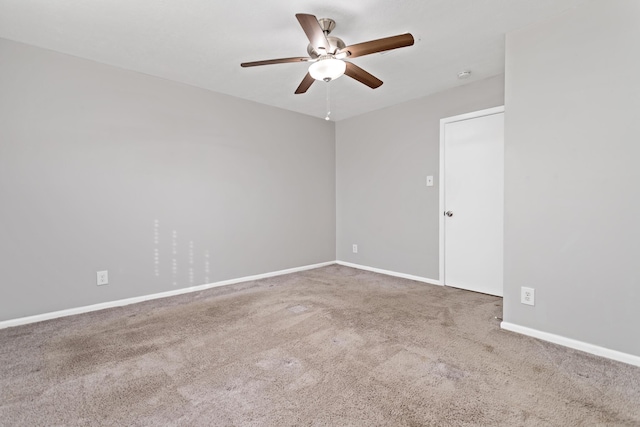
355,249
528,296
103,278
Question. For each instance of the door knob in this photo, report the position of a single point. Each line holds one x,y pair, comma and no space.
449,213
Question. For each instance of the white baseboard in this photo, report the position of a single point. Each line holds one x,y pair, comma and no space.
575,344
390,273
127,301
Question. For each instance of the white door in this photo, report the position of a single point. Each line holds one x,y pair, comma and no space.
472,180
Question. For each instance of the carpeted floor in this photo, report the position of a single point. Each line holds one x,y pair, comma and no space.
332,346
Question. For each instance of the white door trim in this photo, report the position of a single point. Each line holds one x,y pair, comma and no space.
443,122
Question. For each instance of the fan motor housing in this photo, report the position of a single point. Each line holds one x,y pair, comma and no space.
335,43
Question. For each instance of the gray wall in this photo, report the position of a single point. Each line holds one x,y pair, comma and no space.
383,159
92,156
572,151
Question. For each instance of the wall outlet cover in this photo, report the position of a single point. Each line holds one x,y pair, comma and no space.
527,296
103,277
355,249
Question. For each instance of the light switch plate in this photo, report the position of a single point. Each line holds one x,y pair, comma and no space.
430,181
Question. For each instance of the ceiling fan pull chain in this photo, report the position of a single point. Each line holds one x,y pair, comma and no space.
328,116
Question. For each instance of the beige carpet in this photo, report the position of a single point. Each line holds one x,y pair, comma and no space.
333,346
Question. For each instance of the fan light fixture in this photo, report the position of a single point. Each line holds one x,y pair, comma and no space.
327,69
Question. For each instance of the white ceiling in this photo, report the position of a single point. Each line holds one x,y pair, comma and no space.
203,42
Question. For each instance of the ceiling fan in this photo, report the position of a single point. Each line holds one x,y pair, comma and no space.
327,54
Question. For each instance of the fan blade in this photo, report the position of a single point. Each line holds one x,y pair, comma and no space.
305,84
380,45
362,76
275,61
312,29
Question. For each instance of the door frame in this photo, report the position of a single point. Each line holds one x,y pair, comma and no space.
443,123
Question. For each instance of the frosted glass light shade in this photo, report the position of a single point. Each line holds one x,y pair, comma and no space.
327,69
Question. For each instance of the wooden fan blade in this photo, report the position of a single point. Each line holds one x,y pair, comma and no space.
305,84
275,61
362,76
380,45
312,29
